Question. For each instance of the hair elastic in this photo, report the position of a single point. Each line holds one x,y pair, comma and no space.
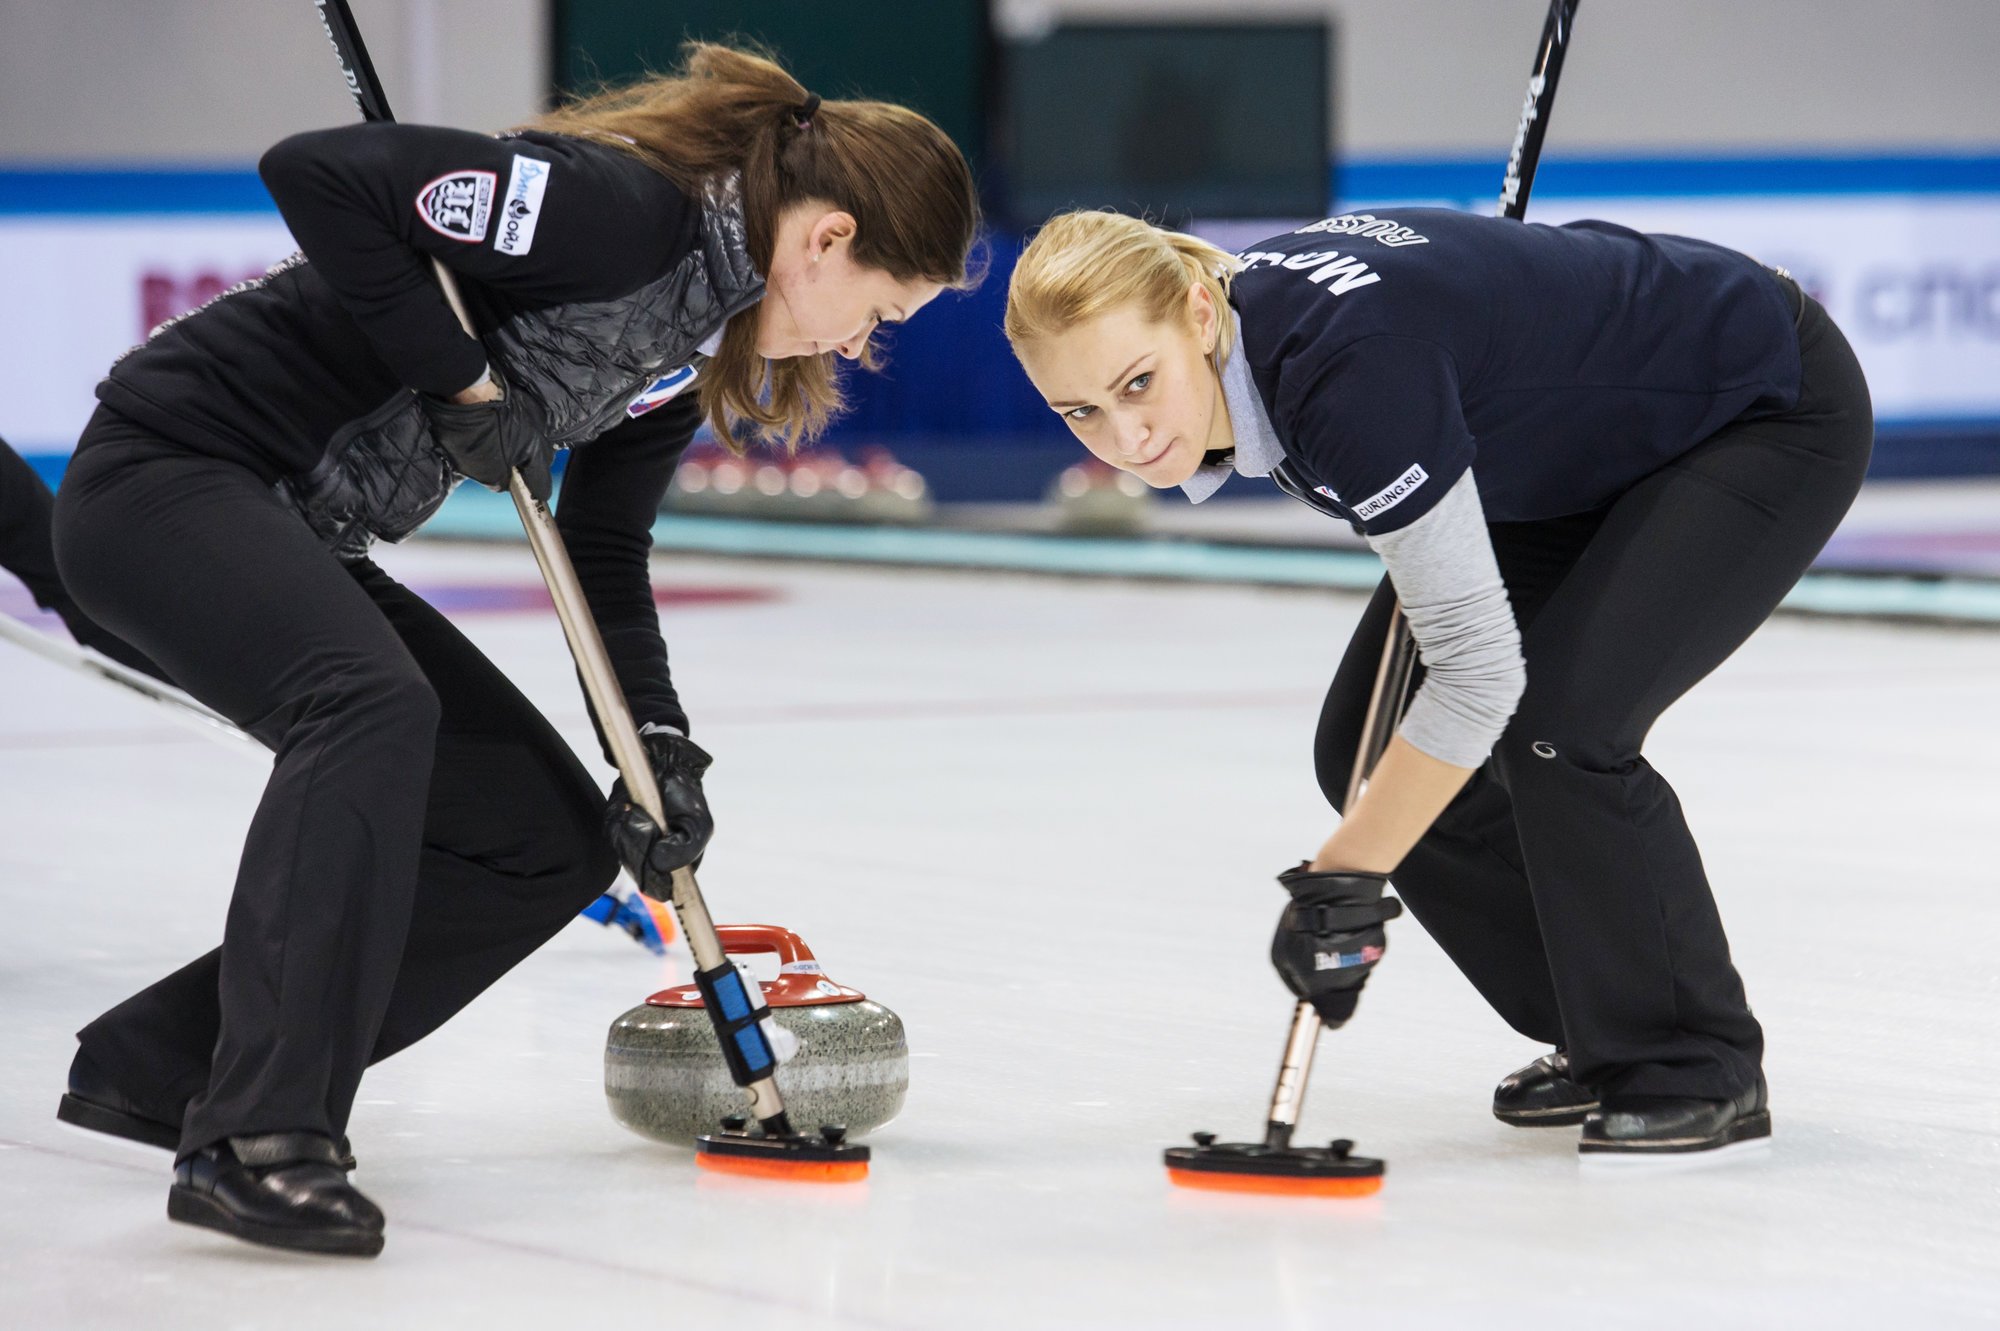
804,115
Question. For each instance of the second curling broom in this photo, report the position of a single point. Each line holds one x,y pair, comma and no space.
1274,1164
774,1149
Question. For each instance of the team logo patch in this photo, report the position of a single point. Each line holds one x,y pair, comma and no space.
1399,489
459,205
1340,961
662,390
1326,490
521,205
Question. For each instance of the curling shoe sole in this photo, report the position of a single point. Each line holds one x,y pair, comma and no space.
129,1129
1747,1136
191,1207
1562,1116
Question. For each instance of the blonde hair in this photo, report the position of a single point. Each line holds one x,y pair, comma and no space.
1085,264
727,111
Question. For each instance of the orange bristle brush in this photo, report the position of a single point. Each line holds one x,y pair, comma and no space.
1274,1165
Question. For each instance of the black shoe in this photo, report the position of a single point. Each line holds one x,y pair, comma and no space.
95,1105
1541,1095
281,1189
1662,1125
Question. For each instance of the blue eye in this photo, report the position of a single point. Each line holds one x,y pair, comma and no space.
1078,413
1139,382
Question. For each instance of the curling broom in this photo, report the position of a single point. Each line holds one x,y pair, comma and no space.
1275,1165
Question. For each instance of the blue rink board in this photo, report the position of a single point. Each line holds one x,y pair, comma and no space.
473,514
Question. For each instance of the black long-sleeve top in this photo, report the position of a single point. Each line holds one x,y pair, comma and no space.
268,373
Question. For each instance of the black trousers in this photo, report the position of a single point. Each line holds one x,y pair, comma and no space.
27,550
424,828
1563,880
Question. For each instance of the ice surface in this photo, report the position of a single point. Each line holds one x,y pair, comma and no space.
1039,819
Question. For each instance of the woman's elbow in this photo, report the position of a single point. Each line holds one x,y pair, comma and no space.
293,161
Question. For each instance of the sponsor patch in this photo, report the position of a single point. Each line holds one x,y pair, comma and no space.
1340,961
458,205
662,390
1399,489
521,205
1326,490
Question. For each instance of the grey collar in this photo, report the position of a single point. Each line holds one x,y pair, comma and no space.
1258,451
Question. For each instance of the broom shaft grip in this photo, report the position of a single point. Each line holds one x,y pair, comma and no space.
1288,1097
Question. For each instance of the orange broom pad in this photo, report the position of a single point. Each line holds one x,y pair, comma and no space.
789,1171
1276,1183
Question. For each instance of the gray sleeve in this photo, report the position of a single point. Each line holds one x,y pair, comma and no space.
1448,581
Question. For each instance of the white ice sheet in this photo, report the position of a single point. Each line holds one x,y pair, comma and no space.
1039,819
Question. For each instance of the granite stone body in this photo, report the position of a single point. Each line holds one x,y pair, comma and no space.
665,1078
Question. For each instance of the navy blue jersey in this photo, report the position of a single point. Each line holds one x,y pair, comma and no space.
1561,364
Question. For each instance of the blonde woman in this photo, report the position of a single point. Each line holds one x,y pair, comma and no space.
704,242
1592,461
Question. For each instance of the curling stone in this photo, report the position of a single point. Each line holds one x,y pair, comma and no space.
893,493
825,487
707,480
664,1075
1092,499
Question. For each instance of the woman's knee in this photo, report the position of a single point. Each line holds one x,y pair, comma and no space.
371,699
1539,749
562,811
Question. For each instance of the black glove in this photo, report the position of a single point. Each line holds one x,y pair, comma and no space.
650,854
1331,936
486,440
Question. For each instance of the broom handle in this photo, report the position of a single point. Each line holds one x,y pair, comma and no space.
600,682
607,700
1399,650
614,715
1385,706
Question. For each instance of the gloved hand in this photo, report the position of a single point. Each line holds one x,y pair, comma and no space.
1331,936
650,853
486,440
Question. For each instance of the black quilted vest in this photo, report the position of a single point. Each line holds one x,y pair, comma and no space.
384,476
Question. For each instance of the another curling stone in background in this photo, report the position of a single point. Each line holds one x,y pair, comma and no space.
895,493
825,487
664,1075
710,480
1092,499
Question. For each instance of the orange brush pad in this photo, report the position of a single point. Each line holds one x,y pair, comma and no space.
789,1171
1277,1184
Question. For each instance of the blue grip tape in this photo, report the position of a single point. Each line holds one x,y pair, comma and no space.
756,1050
729,995
744,1046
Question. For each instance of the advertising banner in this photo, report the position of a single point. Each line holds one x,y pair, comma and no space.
1913,282
81,290
1911,274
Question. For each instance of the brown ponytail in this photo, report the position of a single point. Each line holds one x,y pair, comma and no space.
915,207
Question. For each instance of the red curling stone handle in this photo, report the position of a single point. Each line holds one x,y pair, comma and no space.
755,938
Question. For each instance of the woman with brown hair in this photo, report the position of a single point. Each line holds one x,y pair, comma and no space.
700,243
